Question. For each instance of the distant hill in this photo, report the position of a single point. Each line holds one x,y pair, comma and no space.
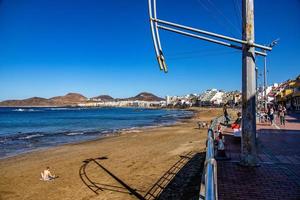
145,96
67,100
72,99
34,101
103,98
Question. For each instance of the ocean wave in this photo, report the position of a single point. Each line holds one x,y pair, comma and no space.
30,136
131,129
58,108
75,133
25,110
60,126
19,110
106,131
64,108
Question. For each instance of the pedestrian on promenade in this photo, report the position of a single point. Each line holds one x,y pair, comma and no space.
279,110
226,115
282,113
271,114
221,154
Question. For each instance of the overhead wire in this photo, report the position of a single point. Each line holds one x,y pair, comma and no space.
238,13
215,17
210,52
219,17
224,16
206,54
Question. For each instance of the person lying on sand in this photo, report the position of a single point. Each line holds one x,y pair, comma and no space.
46,175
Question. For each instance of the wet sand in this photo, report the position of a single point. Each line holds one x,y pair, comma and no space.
138,159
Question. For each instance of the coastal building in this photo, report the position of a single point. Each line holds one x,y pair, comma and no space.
296,95
181,101
211,97
288,94
217,99
232,97
124,103
207,96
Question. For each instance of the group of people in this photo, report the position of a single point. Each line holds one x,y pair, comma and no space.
270,114
220,140
237,123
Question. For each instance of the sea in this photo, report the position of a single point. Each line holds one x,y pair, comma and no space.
28,129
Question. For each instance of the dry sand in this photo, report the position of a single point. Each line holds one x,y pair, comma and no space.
139,159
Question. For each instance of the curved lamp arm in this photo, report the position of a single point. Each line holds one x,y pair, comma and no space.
155,36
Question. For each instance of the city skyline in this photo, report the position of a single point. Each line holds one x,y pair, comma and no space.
50,48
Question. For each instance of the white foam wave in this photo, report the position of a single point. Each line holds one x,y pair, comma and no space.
106,131
66,108
78,133
59,108
30,136
19,110
25,110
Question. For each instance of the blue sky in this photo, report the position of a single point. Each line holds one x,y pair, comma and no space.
51,47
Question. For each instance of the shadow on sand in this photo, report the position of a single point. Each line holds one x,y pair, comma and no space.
181,181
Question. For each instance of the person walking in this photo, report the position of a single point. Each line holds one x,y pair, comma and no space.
278,111
226,115
271,115
282,113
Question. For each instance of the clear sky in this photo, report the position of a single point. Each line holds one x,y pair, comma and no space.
51,47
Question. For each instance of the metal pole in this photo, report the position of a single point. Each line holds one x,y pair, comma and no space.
161,59
154,34
207,39
265,83
248,140
211,34
256,87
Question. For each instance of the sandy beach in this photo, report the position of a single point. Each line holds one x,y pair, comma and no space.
137,158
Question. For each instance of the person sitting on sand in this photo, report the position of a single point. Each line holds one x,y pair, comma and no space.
238,121
46,175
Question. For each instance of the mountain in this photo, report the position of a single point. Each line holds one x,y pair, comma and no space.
72,99
145,96
68,99
102,98
34,101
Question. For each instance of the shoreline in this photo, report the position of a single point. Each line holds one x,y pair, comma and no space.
100,137
139,159
106,134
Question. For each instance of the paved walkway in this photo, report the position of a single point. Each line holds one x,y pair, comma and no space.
277,177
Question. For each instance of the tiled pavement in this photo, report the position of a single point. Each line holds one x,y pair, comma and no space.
277,177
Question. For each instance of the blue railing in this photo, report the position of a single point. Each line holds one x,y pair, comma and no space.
209,186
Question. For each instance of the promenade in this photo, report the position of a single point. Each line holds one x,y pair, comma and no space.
278,173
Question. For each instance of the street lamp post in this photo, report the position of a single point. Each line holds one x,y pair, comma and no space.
272,44
246,45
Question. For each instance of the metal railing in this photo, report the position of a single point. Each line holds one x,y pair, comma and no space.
209,187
